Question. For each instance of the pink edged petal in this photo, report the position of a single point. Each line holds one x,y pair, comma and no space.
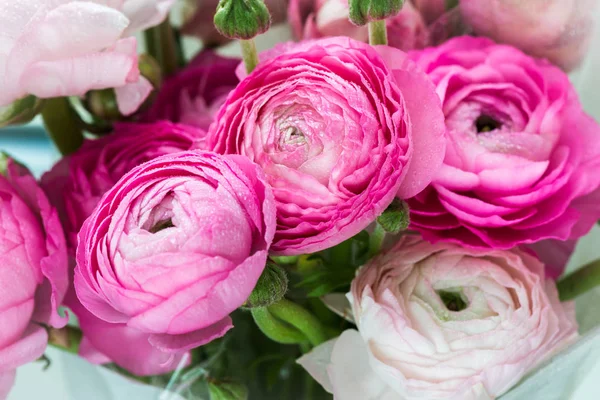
74,76
145,14
7,379
426,121
350,371
131,96
179,343
29,348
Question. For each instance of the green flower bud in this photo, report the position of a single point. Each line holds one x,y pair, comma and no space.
227,391
4,159
242,19
21,111
269,289
365,11
395,218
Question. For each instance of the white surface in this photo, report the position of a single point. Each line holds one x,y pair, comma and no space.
70,378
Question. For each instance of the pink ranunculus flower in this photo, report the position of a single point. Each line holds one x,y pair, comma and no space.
68,47
76,183
195,94
438,321
559,30
176,246
522,158
33,271
339,127
312,19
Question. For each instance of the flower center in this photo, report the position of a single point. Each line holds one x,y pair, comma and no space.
160,225
454,300
485,123
291,135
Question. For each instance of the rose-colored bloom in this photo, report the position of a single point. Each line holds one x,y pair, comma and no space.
77,182
199,15
312,19
68,47
339,127
176,246
437,321
431,10
195,94
559,30
522,159
33,271
129,348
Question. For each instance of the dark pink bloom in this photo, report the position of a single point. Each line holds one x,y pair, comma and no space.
194,95
76,183
340,128
522,159
175,246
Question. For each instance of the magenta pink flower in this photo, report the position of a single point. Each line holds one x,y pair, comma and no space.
33,271
176,246
313,19
77,182
68,47
559,30
522,159
339,127
194,95
438,321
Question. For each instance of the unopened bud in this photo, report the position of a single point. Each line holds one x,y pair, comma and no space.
395,218
269,289
242,19
20,111
365,11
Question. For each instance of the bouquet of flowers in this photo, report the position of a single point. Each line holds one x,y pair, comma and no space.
382,209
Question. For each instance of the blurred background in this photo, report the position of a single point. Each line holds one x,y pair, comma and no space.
71,378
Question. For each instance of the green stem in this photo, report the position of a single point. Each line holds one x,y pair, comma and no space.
162,45
249,54
378,32
376,240
62,125
275,329
580,281
300,319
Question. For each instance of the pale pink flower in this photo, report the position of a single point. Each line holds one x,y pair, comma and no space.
559,30
437,321
53,48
